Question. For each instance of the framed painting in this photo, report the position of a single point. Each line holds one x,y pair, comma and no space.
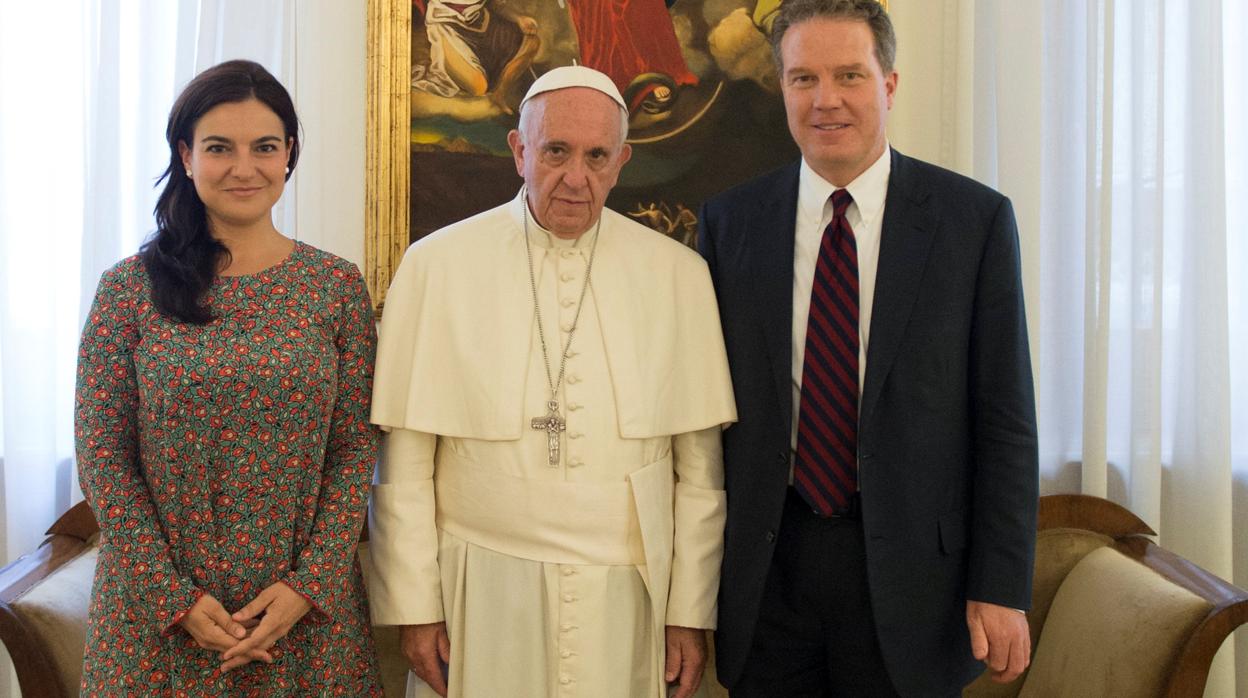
446,79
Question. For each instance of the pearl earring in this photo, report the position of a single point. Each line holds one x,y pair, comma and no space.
287,170
188,174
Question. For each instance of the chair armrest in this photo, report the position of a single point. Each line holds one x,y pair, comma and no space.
32,657
1229,610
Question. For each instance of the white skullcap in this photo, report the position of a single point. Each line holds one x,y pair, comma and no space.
574,76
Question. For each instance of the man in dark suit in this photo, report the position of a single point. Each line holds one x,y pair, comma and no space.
882,479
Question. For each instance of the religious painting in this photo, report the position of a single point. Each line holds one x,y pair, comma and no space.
446,78
704,105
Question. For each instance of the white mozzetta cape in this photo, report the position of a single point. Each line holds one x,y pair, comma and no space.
453,353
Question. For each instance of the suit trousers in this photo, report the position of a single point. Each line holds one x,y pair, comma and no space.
815,635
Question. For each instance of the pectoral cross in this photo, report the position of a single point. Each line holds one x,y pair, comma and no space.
552,424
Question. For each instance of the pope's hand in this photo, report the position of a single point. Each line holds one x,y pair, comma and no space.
686,658
427,647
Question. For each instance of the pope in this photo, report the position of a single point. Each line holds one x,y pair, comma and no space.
549,513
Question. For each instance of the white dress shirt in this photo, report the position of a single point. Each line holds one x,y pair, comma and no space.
814,213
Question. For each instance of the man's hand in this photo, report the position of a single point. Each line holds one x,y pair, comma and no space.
282,608
211,626
424,645
999,636
686,658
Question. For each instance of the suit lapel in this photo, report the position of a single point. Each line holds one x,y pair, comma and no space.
770,235
906,238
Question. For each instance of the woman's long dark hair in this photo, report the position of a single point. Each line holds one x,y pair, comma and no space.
182,257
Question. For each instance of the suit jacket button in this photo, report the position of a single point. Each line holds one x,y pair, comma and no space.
783,456
771,536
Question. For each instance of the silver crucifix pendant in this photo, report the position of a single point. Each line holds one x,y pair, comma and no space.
552,424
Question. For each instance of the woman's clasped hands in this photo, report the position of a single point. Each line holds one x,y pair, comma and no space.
248,634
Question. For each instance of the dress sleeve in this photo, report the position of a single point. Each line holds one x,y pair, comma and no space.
699,515
324,572
106,434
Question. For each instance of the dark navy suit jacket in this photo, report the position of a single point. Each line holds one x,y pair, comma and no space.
947,429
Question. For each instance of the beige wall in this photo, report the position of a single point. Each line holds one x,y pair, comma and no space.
917,125
330,93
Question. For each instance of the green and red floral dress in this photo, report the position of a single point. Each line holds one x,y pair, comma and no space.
220,459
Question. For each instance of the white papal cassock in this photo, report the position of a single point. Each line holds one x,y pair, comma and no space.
553,581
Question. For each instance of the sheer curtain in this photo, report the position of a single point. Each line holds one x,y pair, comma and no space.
41,212
1118,129
87,86
1235,86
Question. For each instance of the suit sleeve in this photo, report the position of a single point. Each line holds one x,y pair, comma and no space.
700,509
1006,478
706,239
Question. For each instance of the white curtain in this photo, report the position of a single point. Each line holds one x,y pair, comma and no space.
41,210
87,86
1118,128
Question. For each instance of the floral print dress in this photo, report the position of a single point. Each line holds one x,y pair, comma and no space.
220,459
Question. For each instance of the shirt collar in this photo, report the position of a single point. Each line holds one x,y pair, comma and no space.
868,189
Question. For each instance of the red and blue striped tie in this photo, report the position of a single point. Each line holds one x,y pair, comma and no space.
825,469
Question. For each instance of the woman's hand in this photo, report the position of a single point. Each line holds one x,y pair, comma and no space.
282,608
211,625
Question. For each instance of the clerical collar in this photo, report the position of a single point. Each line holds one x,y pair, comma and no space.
544,238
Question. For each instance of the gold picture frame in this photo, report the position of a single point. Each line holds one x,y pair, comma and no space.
387,173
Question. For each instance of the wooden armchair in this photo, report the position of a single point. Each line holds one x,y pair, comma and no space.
43,606
1115,614
43,611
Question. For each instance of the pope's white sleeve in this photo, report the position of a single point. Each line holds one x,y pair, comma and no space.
699,513
404,583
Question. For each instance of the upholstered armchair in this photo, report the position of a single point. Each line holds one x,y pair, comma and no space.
1114,614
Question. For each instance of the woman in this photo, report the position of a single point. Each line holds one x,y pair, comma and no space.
222,427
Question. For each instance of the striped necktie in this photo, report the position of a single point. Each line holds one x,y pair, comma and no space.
825,469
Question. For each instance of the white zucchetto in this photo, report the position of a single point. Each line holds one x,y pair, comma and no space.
574,76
